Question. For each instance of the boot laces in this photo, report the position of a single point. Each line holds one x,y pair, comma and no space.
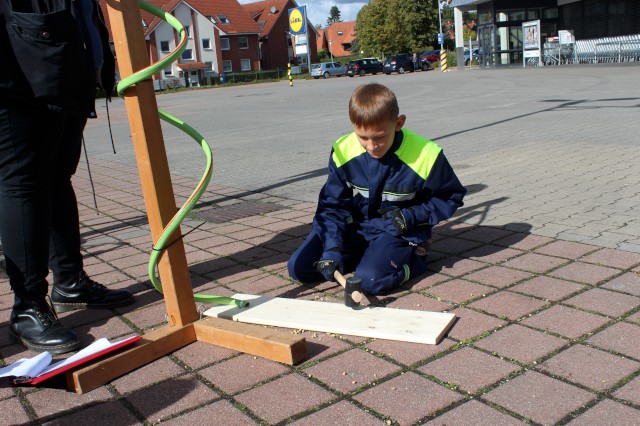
90,282
45,313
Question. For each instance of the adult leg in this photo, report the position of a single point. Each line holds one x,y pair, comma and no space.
387,263
72,288
28,140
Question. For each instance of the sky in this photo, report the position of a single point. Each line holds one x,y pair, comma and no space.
318,10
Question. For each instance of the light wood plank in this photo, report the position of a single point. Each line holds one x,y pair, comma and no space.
252,339
382,323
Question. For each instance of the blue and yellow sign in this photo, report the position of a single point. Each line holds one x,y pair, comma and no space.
297,20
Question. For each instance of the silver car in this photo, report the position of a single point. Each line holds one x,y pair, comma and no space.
327,69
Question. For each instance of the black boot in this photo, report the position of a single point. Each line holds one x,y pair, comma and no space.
39,329
85,293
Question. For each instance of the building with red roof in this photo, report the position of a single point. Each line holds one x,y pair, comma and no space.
337,39
276,46
222,38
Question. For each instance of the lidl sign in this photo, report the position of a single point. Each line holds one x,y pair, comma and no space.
297,21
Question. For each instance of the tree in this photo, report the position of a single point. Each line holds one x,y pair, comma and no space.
334,16
395,26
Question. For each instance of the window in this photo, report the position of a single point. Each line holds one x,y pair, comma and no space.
187,30
243,43
339,32
206,43
224,43
168,71
208,66
187,55
245,64
261,23
226,66
164,46
223,19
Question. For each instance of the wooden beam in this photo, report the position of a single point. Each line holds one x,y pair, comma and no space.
151,157
153,345
252,339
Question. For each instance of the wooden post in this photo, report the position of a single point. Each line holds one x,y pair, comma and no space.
151,157
183,328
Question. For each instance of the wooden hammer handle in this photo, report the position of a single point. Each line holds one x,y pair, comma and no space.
356,295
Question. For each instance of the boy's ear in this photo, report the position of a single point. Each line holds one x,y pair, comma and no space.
400,122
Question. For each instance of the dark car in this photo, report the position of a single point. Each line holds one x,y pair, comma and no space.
398,63
364,66
468,58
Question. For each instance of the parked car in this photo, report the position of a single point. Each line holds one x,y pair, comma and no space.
364,66
398,63
469,58
431,56
327,69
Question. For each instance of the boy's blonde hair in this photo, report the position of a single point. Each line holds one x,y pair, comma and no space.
372,104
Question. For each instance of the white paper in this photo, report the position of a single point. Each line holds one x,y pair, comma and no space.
27,367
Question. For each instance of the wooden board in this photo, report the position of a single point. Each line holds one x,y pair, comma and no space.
382,323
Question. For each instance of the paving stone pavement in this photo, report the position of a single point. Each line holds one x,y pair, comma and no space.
548,328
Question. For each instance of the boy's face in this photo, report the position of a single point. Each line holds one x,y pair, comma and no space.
377,139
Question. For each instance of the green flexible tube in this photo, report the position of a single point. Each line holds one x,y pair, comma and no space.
174,223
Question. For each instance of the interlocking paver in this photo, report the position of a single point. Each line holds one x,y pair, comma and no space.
474,412
470,369
219,412
408,353
459,291
628,283
548,288
534,262
351,370
471,324
341,412
566,249
12,412
568,322
403,398
284,397
605,302
630,392
48,402
593,368
508,304
585,273
620,337
608,412
521,343
241,373
613,258
497,276
539,398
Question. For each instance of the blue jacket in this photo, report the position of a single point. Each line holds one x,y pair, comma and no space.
414,173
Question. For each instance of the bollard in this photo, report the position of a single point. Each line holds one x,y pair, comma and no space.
290,76
443,61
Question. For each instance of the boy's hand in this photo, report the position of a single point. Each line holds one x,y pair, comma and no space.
395,221
328,263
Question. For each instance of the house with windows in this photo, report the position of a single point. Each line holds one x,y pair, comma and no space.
277,47
338,37
222,38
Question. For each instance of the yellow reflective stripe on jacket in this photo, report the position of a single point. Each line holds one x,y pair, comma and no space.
418,153
346,148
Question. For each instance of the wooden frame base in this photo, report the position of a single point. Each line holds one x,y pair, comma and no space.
256,340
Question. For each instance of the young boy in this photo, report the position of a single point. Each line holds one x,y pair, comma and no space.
387,187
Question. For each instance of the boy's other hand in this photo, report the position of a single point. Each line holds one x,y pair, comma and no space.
395,222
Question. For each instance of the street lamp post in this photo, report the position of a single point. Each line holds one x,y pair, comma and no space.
330,52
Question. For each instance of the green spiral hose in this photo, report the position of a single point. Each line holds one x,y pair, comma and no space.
174,223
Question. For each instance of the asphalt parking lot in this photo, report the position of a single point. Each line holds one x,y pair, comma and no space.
550,150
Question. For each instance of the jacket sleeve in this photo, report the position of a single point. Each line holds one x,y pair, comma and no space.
443,194
334,208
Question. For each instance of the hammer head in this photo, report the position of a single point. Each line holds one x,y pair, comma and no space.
354,284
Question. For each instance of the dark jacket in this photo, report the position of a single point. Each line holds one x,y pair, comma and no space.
46,57
413,174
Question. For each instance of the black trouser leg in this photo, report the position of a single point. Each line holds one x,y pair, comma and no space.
65,260
29,142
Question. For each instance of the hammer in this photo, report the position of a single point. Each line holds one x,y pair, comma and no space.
352,289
